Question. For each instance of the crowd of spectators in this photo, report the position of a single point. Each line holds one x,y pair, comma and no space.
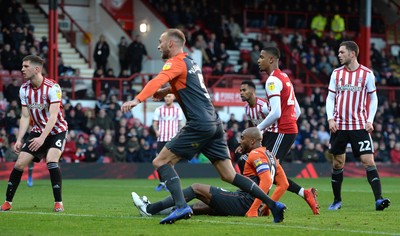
104,134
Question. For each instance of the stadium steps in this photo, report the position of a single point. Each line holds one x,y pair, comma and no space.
70,56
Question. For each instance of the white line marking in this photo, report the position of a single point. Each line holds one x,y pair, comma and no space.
207,221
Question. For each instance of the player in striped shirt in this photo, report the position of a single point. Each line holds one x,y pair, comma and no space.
280,125
350,121
41,102
167,120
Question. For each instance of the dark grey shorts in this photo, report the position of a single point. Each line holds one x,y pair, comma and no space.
208,140
228,203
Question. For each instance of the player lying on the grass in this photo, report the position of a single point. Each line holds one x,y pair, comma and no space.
257,164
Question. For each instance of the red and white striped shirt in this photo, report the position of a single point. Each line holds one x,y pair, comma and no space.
279,84
351,89
255,114
168,121
38,101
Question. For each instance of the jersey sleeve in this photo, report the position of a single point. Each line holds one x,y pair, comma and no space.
273,86
332,83
259,163
55,93
156,115
171,70
180,114
370,83
22,96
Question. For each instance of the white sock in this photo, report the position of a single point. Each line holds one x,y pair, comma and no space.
301,192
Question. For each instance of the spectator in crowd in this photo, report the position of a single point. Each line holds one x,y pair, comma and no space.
122,54
337,26
89,121
3,149
132,154
8,58
108,147
11,92
136,51
235,31
21,17
145,153
318,24
101,53
395,153
69,153
74,123
309,153
119,154
382,154
91,154
104,121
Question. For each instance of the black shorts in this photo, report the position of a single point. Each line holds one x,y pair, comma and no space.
52,141
360,141
228,203
278,144
192,140
160,146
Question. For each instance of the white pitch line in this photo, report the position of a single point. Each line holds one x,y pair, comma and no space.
208,221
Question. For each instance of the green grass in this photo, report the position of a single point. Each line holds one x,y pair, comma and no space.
104,207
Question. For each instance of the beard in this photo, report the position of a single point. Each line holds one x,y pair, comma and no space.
165,54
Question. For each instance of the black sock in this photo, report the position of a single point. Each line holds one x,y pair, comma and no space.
168,202
30,169
249,186
374,181
293,187
13,182
55,178
336,181
172,181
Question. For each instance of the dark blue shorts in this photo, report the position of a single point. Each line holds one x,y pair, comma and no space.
228,203
206,139
52,141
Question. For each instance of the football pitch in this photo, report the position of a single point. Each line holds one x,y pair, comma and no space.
104,207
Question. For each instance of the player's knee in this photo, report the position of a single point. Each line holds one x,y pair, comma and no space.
227,177
367,160
20,164
157,163
338,162
196,188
